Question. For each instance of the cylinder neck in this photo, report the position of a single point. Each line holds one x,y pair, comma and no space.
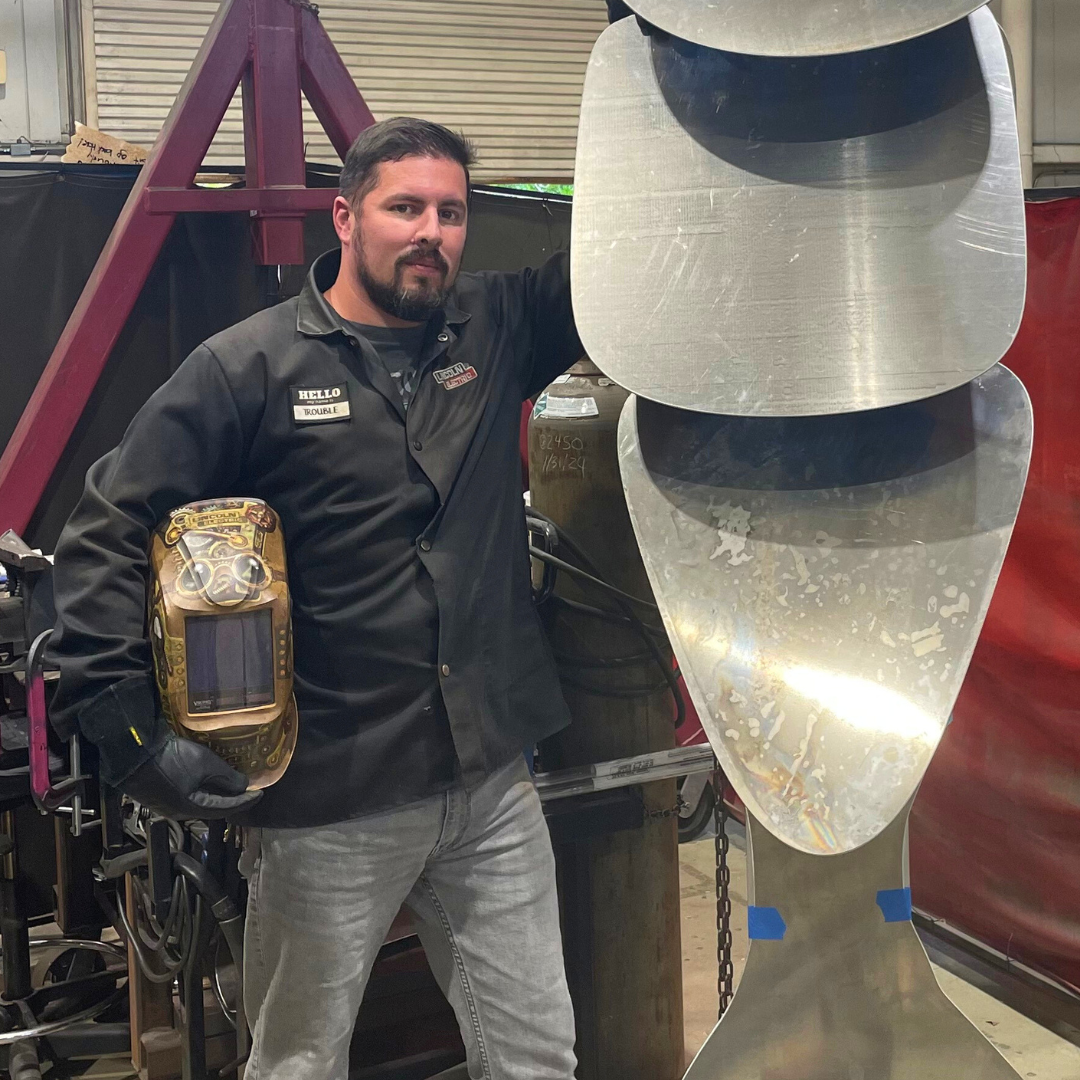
585,367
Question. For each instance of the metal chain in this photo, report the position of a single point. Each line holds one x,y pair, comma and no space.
662,815
725,980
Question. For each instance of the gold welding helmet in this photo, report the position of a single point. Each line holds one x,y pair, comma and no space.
221,633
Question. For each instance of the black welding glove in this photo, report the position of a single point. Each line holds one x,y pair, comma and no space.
139,755
187,780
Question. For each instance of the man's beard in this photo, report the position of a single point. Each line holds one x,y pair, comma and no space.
410,303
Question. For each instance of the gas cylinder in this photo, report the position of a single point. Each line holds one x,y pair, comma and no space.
619,892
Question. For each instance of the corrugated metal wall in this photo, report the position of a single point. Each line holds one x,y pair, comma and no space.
506,72
1057,72
1057,93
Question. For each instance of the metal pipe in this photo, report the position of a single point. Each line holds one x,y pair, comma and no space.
75,762
14,932
8,1038
23,1061
1018,21
623,772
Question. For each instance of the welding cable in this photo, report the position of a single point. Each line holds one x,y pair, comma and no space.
605,615
156,939
590,577
576,571
669,672
603,661
647,634
175,963
221,906
231,924
170,939
123,864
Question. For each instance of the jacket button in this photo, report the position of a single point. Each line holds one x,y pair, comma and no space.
417,444
425,545
444,336
445,669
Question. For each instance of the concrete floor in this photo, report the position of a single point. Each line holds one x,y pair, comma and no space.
1035,1052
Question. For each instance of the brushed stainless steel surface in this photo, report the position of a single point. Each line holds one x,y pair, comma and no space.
767,237
823,581
801,27
845,995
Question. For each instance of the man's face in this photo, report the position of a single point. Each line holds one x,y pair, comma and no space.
408,234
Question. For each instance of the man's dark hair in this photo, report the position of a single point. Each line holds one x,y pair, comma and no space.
392,140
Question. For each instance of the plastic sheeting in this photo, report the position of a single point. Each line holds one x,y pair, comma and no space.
995,832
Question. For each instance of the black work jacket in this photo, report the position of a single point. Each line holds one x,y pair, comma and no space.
418,656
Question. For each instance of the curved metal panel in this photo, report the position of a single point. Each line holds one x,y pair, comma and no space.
801,27
764,237
848,990
823,581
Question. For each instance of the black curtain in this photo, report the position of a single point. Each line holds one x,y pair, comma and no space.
55,220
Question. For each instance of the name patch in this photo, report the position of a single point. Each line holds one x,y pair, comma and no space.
320,404
457,375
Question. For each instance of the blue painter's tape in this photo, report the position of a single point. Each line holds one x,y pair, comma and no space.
895,904
765,924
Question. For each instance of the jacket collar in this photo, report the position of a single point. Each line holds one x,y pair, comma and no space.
316,318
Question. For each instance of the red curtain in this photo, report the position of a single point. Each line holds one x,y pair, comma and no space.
995,833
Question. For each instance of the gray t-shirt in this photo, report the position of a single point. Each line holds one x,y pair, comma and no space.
399,350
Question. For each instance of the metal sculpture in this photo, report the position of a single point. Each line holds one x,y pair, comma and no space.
800,27
807,269
823,581
766,237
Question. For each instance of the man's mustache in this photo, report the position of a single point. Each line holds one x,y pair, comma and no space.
428,255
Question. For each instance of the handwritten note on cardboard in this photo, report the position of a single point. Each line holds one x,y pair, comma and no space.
96,148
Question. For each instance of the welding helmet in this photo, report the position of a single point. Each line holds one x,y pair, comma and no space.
221,633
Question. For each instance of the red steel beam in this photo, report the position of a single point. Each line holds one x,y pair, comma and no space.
274,127
117,278
287,49
279,200
329,87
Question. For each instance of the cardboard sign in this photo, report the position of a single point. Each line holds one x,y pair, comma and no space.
96,148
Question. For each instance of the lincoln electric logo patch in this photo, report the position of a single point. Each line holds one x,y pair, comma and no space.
320,404
450,378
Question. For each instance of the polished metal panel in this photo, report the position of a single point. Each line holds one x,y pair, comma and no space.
823,581
845,995
800,27
765,237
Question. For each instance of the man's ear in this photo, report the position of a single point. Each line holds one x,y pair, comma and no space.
344,219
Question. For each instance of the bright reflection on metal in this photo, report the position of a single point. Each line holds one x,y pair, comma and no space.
764,237
864,705
800,27
823,581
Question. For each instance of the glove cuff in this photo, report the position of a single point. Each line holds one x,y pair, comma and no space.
124,723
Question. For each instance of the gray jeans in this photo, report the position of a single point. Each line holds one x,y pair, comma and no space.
477,870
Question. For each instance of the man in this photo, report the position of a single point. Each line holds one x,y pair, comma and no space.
421,669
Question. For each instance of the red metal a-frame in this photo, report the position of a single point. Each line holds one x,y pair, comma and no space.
277,48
